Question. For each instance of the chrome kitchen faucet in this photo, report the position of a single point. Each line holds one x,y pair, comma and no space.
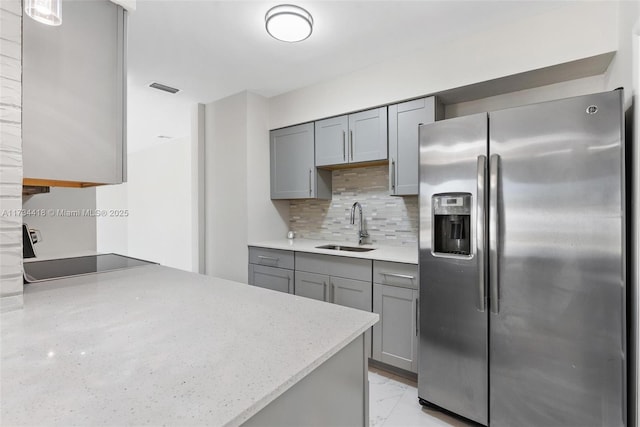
362,233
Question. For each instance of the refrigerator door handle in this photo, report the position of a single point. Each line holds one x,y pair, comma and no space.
494,221
481,230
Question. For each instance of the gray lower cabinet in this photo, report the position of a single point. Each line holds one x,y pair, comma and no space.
395,299
271,269
353,138
276,279
312,285
74,96
351,293
337,279
404,120
293,171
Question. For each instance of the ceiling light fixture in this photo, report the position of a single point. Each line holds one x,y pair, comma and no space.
288,23
48,12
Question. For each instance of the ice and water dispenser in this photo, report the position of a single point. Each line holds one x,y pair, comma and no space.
452,224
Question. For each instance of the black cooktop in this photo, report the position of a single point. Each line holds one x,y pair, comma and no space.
37,271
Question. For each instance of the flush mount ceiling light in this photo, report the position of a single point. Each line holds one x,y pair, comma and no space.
47,12
288,23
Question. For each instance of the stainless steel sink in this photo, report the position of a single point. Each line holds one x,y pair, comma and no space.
345,248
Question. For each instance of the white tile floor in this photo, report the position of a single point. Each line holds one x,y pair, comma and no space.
393,402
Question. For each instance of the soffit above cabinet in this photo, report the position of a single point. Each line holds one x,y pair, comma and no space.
585,67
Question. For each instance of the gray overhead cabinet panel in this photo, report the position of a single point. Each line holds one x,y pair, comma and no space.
293,171
74,97
404,121
354,138
395,299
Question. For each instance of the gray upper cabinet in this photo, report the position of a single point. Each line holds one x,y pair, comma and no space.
368,135
74,96
353,138
293,171
404,121
331,141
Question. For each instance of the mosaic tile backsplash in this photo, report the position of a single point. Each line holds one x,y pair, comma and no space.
391,221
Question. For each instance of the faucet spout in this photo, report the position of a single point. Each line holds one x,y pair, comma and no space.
362,233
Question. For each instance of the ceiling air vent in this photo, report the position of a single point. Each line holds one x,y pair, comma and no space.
165,88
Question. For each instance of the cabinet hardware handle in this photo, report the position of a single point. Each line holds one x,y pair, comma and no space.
417,314
310,192
289,284
494,223
401,276
481,229
344,146
351,143
269,258
393,176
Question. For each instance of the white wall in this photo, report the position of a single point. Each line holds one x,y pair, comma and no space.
570,32
112,231
11,156
238,208
635,237
66,228
159,202
268,219
226,188
158,199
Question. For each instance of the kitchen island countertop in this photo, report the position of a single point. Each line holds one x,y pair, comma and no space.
155,345
403,254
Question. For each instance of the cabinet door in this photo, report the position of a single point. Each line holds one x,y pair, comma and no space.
354,294
395,336
277,279
351,293
73,87
312,285
404,122
292,165
331,141
368,135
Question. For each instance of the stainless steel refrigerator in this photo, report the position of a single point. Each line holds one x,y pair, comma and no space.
522,268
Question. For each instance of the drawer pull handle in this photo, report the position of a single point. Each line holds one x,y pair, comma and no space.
269,258
401,276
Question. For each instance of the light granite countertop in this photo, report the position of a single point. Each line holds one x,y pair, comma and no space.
158,346
404,254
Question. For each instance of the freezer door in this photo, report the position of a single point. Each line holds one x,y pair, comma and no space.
557,328
453,366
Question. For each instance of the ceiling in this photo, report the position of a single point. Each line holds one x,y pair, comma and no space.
212,49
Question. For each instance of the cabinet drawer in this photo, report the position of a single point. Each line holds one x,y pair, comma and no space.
276,279
271,257
335,266
395,274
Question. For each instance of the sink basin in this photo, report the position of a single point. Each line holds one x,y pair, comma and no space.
345,248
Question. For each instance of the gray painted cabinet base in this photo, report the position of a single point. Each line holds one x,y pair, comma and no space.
335,394
395,339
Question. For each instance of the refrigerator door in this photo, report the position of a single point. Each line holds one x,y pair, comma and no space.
453,366
557,332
